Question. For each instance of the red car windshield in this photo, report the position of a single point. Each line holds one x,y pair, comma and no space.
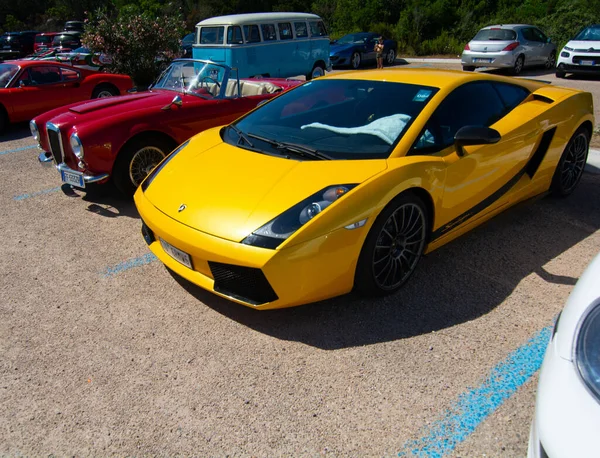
7,71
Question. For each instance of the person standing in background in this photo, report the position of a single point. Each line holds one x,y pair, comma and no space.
379,52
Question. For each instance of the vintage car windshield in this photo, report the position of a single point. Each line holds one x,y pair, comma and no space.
340,119
589,34
7,71
202,79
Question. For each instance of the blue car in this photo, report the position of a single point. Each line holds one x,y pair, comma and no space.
355,49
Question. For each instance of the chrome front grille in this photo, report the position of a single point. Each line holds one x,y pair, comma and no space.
55,142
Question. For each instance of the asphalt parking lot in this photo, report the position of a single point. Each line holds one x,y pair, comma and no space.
104,352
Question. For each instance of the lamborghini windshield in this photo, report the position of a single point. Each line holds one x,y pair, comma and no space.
337,119
203,79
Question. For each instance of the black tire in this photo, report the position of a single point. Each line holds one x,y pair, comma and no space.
402,224
137,158
468,68
317,71
390,57
104,90
551,61
571,164
560,74
519,64
355,60
3,120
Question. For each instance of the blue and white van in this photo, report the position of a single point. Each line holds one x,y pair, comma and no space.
267,44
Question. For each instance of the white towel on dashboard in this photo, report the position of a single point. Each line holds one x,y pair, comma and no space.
387,128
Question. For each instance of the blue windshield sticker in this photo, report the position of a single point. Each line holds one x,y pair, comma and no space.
422,95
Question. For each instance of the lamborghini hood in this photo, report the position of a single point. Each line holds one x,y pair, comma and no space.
229,192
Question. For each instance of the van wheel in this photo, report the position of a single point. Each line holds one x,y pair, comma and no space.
317,71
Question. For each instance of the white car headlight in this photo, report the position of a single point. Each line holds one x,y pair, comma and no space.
34,131
587,351
76,146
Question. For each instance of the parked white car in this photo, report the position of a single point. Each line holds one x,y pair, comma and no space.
567,411
581,54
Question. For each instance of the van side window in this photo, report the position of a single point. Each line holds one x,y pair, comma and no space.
268,31
212,35
252,33
285,31
234,35
317,29
301,30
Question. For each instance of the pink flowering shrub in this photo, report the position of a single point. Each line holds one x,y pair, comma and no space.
140,44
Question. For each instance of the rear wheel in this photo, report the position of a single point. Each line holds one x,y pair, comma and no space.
518,67
390,56
104,90
468,68
393,247
3,120
136,160
572,162
317,71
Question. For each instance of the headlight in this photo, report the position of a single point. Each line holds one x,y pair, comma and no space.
564,54
272,234
76,146
587,351
34,131
159,167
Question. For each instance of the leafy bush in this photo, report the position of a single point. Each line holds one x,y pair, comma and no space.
140,44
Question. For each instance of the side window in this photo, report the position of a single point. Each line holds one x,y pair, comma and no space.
528,34
511,95
285,31
69,74
234,35
252,33
268,32
540,35
317,29
212,35
44,75
301,30
473,104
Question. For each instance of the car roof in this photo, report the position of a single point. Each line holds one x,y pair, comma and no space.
256,17
431,77
508,26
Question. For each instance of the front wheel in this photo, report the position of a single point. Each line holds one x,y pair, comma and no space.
3,121
560,74
104,90
393,247
136,160
317,71
390,57
571,164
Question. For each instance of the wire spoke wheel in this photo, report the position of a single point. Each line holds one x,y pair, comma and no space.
575,159
399,246
142,163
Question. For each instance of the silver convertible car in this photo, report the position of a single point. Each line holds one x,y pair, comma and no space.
512,47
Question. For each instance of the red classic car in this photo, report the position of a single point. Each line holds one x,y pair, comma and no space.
124,138
30,87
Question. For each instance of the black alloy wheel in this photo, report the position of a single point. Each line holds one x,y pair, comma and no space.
393,247
551,61
572,162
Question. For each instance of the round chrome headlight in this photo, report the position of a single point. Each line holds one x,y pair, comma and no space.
34,131
76,146
587,351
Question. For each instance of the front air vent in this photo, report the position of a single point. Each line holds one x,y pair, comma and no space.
246,284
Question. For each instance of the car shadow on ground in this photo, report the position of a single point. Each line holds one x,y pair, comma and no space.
458,283
17,131
104,200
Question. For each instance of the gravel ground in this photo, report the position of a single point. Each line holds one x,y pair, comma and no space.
105,353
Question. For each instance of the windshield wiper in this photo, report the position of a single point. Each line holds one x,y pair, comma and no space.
300,150
241,136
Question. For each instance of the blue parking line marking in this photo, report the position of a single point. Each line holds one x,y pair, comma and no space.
129,264
37,193
473,406
17,150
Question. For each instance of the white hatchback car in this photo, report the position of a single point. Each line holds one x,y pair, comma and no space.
581,54
510,46
567,410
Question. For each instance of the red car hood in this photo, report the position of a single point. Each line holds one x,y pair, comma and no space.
129,102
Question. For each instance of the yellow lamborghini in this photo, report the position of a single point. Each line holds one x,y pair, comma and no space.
345,181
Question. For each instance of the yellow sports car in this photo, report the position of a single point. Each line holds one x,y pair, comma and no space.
345,181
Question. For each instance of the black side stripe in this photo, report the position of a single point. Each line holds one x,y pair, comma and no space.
530,168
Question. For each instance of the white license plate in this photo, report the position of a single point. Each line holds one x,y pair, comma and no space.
177,254
586,62
72,178
482,61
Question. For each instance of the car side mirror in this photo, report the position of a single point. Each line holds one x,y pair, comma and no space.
176,101
549,40
474,135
